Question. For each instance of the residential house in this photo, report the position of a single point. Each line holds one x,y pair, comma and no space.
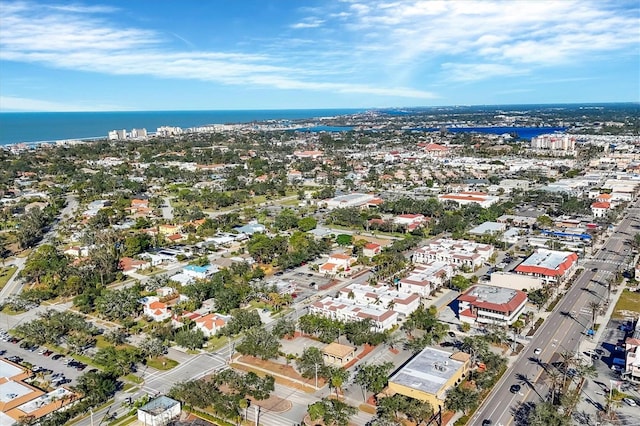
337,262
128,264
211,323
371,249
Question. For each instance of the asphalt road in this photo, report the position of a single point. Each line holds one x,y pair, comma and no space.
562,331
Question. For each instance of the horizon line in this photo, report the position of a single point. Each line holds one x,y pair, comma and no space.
594,103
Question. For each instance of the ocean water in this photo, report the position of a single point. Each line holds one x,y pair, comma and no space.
31,127
522,132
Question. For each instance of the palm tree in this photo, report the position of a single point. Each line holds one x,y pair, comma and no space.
568,359
554,376
595,307
337,378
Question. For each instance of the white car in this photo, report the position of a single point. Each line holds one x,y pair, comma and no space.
629,401
537,351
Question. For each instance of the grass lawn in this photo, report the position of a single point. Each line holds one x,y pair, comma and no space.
290,203
5,274
162,363
133,378
628,303
216,343
7,310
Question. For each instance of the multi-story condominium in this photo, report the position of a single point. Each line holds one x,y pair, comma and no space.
458,253
381,296
425,278
381,317
554,142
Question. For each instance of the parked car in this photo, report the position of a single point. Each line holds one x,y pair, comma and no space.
630,401
617,368
57,357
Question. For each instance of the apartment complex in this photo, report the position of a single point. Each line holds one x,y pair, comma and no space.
458,253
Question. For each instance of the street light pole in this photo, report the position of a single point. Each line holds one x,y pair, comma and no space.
316,365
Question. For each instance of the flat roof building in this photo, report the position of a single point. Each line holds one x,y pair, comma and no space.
159,411
429,375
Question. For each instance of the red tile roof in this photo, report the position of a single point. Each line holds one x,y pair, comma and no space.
562,268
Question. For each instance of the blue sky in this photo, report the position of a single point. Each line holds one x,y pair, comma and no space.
280,54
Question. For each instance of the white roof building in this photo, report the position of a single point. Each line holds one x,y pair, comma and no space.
380,296
424,279
382,318
458,253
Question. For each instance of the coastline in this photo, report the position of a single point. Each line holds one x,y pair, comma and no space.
51,127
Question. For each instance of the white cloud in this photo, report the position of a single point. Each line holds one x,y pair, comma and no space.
15,103
308,23
540,32
69,38
477,72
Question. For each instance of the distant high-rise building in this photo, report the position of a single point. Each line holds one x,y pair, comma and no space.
139,133
554,142
117,135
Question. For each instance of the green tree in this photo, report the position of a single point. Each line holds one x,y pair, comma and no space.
461,398
190,339
344,239
287,219
97,386
117,361
373,377
460,282
259,342
153,347
241,319
311,362
337,376
546,414
307,223
119,304
333,412
284,327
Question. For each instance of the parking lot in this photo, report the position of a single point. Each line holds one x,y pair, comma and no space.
596,390
48,366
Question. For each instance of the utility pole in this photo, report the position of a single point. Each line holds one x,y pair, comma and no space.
316,365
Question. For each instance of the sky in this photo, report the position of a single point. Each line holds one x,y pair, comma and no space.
294,54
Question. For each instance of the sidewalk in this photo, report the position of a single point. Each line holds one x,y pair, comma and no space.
589,344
